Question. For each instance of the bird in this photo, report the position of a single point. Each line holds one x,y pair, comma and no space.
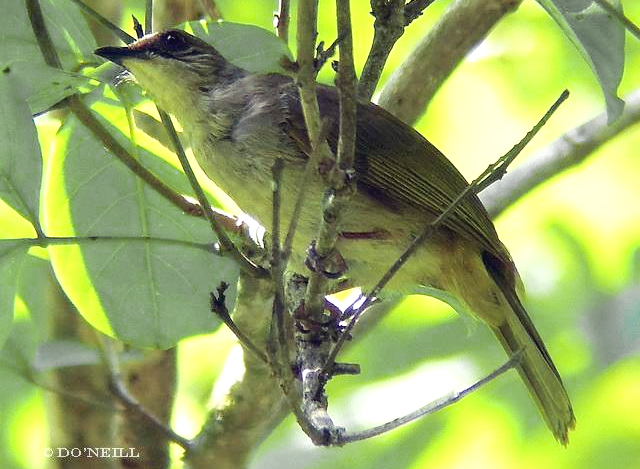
238,123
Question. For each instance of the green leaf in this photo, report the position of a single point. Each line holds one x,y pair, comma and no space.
249,47
46,85
20,160
599,38
12,254
72,40
149,293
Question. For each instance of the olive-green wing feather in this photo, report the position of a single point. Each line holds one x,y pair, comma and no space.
396,162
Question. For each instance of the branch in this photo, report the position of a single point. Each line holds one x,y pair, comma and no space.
225,242
569,150
114,28
493,172
463,25
282,17
435,406
388,27
248,405
613,11
139,414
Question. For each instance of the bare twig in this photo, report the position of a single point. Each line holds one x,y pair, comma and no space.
219,307
388,28
227,246
306,37
120,390
114,28
433,406
282,17
101,134
310,168
148,16
278,263
488,176
41,32
569,150
414,9
626,22
245,407
463,25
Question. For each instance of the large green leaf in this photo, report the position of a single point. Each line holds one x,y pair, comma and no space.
20,158
250,47
149,293
71,37
600,39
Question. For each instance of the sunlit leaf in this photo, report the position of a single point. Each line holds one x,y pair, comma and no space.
20,159
149,293
600,39
71,37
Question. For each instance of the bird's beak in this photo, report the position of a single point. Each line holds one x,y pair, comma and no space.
119,54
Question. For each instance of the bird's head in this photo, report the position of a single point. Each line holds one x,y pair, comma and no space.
176,68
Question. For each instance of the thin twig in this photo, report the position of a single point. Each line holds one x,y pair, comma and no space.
433,406
620,16
346,82
306,80
227,246
388,28
309,170
488,176
414,9
120,391
99,132
42,35
27,373
568,150
500,168
282,17
137,27
114,28
148,16
219,307
79,240
277,268
463,25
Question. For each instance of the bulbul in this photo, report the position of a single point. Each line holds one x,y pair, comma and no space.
238,123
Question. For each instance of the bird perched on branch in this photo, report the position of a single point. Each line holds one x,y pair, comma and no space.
238,123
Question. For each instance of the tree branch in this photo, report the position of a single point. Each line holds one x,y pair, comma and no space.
387,29
282,18
569,150
249,404
463,25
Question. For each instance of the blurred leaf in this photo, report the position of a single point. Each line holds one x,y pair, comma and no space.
151,294
249,47
71,37
20,162
599,38
65,353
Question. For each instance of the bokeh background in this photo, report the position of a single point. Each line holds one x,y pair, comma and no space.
575,240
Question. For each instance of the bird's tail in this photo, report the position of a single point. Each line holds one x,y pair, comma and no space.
536,368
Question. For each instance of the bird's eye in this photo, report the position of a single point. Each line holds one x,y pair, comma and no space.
174,41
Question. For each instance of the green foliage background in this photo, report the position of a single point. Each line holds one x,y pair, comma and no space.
575,240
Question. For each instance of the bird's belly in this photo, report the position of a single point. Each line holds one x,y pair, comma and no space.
373,235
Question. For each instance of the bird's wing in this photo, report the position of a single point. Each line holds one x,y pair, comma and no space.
393,161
